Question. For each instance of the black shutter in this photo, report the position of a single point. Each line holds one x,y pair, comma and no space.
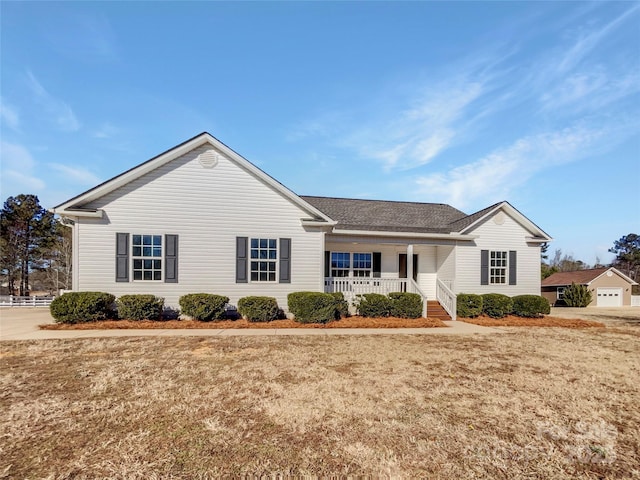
513,267
122,257
327,264
285,260
484,267
377,264
171,258
241,260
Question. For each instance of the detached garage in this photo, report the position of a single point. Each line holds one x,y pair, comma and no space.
609,287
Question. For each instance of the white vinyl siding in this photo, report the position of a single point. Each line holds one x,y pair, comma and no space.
208,209
507,236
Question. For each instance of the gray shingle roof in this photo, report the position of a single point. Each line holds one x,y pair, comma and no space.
390,216
463,223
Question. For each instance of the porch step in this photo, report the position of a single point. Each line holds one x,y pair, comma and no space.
435,310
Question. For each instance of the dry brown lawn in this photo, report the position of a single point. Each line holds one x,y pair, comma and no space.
349,322
529,403
547,321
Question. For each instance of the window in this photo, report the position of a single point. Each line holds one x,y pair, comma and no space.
560,294
340,264
497,267
264,254
147,257
361,264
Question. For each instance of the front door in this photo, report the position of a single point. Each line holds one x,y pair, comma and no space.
402,266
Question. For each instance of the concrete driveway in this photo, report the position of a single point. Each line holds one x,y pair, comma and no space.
21,323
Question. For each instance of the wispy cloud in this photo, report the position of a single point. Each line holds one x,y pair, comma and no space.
18,170
58,111
77,174
495,176
105,131
9,115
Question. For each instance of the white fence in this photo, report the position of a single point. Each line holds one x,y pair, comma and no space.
635,300
15,301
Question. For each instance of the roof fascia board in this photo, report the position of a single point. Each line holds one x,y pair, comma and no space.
372,233
519,217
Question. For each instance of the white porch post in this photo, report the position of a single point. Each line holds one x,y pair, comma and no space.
409,264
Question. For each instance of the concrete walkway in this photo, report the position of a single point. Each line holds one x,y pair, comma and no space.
21,323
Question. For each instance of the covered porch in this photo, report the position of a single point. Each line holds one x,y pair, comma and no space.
358,265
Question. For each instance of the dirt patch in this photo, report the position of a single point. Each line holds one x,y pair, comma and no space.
513,321
350,322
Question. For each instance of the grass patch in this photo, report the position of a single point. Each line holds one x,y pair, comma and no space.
513,321
526,404
349,322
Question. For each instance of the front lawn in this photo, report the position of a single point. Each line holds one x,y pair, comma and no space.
525,404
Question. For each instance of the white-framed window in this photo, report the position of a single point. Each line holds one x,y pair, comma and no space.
264,256
497,267
340,264
345,264
560,293
146,253
362,265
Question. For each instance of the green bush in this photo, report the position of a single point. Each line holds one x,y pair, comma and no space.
577,295
468,305
203,306
78,307
530,306
140,307
374,305
342,306
312,307
496,305
406,305
258,309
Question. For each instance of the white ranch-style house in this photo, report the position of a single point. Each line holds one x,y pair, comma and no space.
201,218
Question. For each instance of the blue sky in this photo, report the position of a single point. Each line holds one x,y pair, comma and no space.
461,103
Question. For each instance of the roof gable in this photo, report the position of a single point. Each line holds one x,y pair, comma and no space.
74,206
581,277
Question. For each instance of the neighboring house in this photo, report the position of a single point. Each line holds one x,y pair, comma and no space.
609,287
201,218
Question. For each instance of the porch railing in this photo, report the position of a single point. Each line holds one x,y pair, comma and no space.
446,297
33,301
351,287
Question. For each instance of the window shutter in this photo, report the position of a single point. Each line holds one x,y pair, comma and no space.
241,260
171,258
484,267
285,260
377,264
513,267
327,263
122,257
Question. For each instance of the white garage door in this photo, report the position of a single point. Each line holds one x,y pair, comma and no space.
609,297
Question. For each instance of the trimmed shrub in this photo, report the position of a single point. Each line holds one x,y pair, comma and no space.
140,307
530,306
496,305
577,295
79,307
203,306
342,306
406,305
312,307
258,309
468,305
374,305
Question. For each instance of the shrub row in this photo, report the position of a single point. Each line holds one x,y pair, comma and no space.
396,304
497,305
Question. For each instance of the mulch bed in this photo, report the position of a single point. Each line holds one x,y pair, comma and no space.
513,321
350,322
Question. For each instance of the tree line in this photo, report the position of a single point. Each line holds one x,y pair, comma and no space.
627,260
35,248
